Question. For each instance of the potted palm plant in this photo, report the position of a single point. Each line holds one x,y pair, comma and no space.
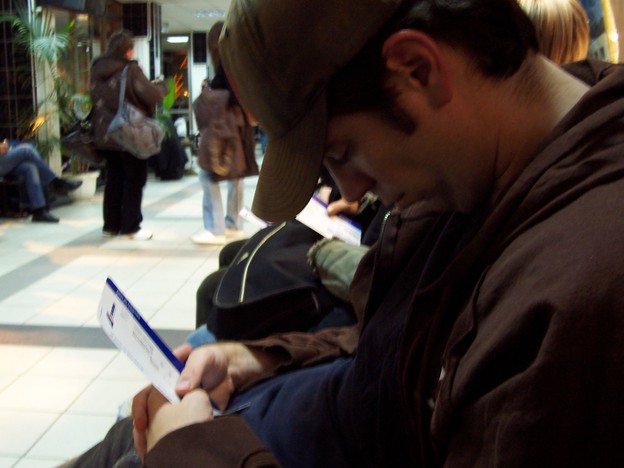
36,35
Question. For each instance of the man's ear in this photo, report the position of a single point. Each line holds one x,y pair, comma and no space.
413,59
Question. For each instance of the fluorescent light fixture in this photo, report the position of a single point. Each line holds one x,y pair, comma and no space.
177,39
208,13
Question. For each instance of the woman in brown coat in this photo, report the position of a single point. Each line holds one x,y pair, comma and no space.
126,175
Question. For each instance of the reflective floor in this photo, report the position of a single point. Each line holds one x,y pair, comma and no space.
61,380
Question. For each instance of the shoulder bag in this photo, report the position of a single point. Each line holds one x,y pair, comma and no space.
131,129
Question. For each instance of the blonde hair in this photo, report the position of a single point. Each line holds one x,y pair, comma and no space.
213,43
562,28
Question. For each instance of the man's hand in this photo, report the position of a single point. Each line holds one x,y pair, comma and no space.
342,206
165,417
218,368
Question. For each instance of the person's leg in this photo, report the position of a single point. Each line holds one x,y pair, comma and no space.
212,206
113,193
26,153
134,179
234,205
212,213
32,181
263,141
200,337
116,450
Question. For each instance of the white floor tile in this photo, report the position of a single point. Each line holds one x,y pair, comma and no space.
6,380
32,298
38,462
20,430
67,362
71,435
49,392
103,397
8,462
40,393
18,359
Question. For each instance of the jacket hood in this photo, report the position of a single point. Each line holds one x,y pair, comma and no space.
104,67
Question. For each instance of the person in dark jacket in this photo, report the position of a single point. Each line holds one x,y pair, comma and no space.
126,175
491,308
504,262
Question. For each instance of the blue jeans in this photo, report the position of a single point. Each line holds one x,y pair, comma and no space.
24,161
201,336
212,205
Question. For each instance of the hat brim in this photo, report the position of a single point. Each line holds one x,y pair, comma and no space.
291,167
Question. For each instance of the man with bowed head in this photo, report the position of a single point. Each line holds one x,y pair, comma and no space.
491,307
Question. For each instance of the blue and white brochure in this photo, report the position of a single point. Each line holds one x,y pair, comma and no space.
314,215
131,334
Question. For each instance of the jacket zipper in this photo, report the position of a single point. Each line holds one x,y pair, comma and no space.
264,240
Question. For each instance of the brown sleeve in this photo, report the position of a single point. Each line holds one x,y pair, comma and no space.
297,350
226,442
142,92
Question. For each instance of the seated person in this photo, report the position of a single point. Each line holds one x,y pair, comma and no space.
23,160
297,280
490,308
368,213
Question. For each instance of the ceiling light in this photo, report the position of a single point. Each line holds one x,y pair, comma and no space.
177,39
208,13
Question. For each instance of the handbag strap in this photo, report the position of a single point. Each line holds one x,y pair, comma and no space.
122,85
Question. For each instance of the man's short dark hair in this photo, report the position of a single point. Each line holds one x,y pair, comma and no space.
120,42
496,34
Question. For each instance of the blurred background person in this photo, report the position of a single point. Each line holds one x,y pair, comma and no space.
126,174
23,160
562,28
216,225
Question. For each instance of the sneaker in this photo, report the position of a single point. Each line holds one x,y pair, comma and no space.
140,235
235,233
109,234
206,237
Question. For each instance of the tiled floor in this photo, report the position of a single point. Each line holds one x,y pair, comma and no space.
61,380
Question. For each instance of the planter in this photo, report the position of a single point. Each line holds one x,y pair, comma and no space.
89,184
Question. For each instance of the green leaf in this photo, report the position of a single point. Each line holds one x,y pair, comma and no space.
169,99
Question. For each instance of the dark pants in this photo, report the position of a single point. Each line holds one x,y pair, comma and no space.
291,413
24,161
115,451
126,177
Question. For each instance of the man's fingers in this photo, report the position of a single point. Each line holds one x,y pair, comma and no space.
182,352
140,442
139,408
205,367
221,394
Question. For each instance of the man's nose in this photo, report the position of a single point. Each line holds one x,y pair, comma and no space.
351,183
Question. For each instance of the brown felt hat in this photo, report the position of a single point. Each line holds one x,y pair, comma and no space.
280,56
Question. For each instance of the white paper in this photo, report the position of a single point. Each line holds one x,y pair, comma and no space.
131,334
314,215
